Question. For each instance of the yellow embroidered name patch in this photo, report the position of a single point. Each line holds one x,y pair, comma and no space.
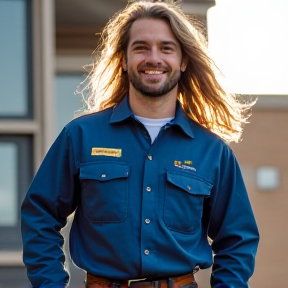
97,151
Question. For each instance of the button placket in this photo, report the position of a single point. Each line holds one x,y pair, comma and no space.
149,201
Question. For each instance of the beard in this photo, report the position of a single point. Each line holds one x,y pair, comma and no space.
150,90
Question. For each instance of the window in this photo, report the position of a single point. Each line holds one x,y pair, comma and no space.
66,101
8,185
15,59
16,157
23,135
15,176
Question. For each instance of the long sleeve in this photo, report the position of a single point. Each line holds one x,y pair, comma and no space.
50,199
232,228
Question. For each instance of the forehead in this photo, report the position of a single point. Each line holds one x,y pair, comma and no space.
151,30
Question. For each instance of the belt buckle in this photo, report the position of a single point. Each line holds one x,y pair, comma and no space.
135,280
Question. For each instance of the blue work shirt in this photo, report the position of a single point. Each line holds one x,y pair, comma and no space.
141,210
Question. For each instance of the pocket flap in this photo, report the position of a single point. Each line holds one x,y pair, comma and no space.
190,184
104,171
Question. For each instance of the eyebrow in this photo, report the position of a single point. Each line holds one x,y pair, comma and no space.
137,42
169,43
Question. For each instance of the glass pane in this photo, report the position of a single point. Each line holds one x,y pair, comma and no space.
8,184
67,103
13,59
16,172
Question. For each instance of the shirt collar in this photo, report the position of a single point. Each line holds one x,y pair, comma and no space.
182,120
122,111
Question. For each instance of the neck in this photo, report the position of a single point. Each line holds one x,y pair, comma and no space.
153,107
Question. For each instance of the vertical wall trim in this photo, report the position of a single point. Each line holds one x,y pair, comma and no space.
48,68
37,83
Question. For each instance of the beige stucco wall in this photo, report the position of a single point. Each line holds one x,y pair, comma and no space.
265,143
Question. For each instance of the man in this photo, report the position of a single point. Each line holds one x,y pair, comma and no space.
148,176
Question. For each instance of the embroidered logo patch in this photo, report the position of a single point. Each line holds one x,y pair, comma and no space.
182,166
98,151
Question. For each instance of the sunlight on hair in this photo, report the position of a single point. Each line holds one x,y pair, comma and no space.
109,51
249,43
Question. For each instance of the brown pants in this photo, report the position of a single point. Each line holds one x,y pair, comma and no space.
185,281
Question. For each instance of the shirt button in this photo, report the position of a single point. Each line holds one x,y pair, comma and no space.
147,221
103,175
146,252
148,189
150,157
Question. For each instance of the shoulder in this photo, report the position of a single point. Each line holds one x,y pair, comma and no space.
210,140
204,133
90,120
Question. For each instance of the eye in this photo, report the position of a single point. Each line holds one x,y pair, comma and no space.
167,48
139,48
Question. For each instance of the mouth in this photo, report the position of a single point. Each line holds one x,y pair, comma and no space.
153,72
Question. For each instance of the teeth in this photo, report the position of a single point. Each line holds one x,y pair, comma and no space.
153,72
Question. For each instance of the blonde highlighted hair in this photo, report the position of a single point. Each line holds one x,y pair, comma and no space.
202,96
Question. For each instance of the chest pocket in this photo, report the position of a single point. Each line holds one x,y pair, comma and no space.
105,189
184,197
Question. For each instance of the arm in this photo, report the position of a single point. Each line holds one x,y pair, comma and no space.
232,227
50,199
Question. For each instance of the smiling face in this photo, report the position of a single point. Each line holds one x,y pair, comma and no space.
153,58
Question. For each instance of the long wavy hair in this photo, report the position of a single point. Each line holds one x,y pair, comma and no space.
200,93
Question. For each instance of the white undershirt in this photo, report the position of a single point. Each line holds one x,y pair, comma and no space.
153,126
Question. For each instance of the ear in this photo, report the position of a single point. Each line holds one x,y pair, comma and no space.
124,63
184,63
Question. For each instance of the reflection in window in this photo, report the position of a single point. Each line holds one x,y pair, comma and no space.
13,59
8,184
67,103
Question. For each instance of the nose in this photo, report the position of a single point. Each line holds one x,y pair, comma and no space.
153,57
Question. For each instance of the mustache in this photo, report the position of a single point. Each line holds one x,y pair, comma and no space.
155,66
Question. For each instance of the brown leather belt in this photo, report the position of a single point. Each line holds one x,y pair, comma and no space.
173,282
